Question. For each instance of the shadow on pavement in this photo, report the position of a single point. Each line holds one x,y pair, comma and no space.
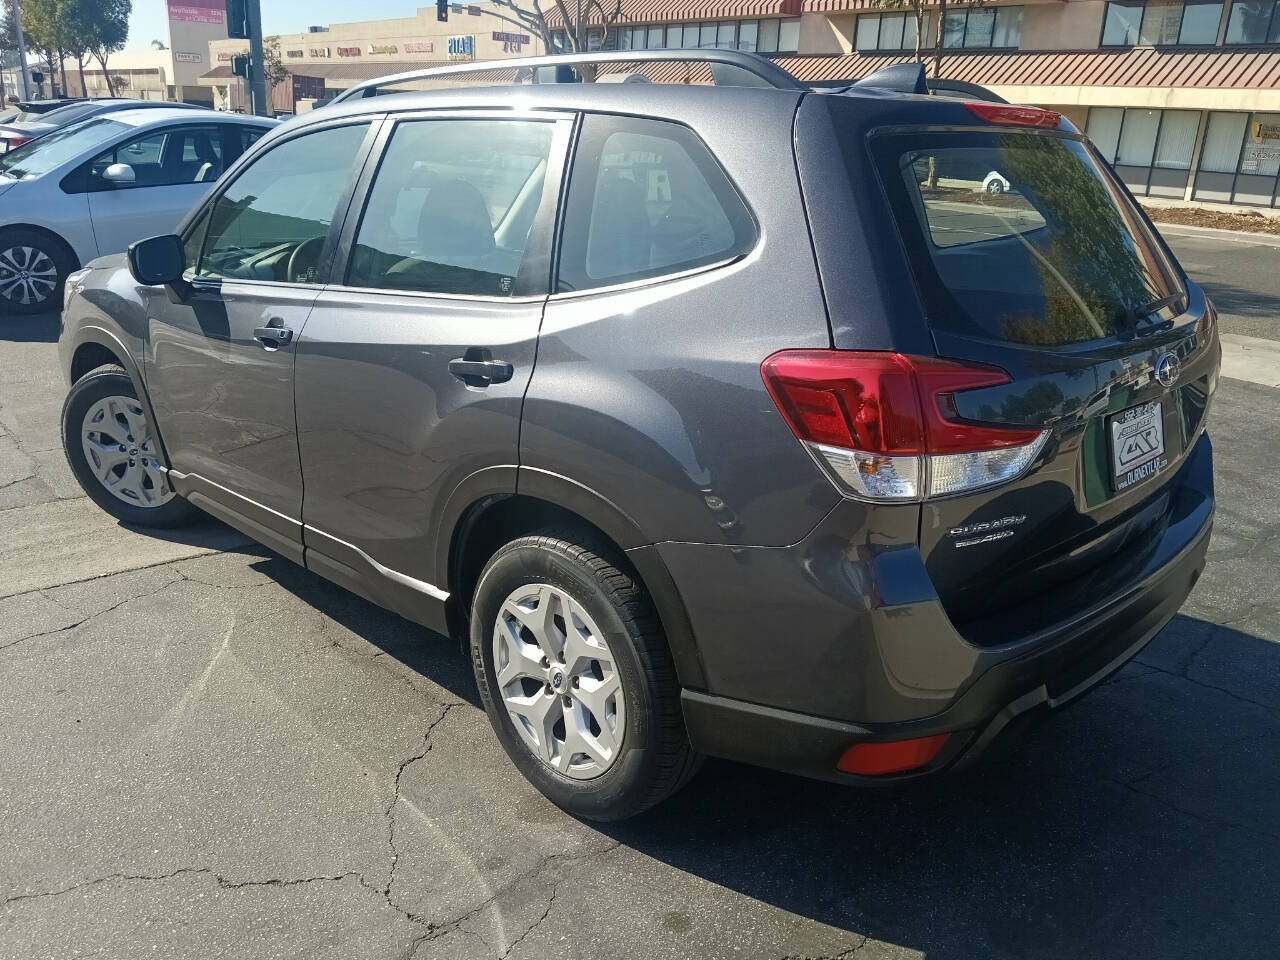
1141,821
1241,302
39,328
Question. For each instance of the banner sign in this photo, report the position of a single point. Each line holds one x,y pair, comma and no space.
198,11
462,47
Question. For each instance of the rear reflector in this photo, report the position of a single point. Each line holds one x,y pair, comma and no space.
877,759
1010,115
884,426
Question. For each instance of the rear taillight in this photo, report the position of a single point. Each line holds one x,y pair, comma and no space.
884,426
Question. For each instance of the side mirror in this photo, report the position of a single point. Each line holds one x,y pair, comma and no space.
157,260
119,173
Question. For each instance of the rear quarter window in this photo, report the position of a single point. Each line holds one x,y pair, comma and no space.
1023,238
647,199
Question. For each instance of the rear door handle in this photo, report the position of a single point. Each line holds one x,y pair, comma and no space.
272,336
475,369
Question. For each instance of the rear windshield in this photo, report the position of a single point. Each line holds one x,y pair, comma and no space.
1023,237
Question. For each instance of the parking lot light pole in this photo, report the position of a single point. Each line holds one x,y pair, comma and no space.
22,50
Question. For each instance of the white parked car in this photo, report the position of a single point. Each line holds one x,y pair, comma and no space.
994,183
96,186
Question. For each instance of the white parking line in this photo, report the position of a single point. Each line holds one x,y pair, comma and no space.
1251,358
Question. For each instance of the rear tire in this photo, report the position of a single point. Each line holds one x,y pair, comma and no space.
113,452
604,624
33,270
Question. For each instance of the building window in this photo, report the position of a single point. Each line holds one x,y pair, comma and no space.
1151,149
1200,19
1161,22
886,31
1253,21
764,36
1240,159
1120,29
981,28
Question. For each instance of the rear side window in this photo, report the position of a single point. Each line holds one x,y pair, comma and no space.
1023,238
646,199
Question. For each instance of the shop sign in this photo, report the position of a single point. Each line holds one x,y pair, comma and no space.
420,46
321,53
348,51
187,57
293,54
462,47
382,48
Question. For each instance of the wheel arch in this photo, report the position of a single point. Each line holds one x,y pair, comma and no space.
492,516
93,346
72,257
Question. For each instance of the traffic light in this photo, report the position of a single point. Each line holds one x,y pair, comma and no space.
442,11
237,20
240,65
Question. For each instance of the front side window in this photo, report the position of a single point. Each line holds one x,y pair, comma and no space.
163,158
646,199
272,221
451,207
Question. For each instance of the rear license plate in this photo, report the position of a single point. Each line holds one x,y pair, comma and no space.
1137,444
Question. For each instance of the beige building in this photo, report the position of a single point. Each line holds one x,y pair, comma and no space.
344,54
1183,96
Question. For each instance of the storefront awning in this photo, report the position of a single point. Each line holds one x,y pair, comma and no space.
669,11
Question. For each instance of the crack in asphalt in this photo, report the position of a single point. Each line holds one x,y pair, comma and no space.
222,882
847,952
395,798
83,620
439,930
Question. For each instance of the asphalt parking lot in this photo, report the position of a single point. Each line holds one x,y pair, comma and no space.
208,752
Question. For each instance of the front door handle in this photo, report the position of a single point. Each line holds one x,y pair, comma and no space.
476,368
272,337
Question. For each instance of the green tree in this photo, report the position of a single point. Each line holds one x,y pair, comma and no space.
42,25
107,31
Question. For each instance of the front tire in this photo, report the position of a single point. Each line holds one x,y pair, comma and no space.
33,270
576,676
114,454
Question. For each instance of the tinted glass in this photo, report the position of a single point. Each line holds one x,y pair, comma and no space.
451,207
271,222
788,36
646,198
53,150
1059,257
1200,22
1121,26
1250,21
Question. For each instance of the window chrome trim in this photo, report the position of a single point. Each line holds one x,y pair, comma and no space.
650,281
428,295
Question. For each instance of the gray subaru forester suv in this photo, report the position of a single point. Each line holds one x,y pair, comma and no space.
732,420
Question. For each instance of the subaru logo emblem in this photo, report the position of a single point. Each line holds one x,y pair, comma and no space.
1167,369
557,679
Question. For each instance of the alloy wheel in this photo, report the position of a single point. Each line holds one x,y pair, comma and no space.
558,681
28,275
120,451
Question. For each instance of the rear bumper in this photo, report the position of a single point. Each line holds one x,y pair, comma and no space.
909,658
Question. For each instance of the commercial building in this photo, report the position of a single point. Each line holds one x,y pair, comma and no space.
1183,96
343,54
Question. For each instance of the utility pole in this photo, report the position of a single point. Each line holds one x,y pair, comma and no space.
22,49
257,71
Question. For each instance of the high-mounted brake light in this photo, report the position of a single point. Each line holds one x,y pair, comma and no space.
15,141
1010,115
884,426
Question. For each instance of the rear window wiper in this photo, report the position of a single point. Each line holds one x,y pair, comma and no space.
1134,314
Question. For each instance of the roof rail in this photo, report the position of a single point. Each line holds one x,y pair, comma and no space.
734,68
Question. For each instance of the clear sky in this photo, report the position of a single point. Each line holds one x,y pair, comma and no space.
150,20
